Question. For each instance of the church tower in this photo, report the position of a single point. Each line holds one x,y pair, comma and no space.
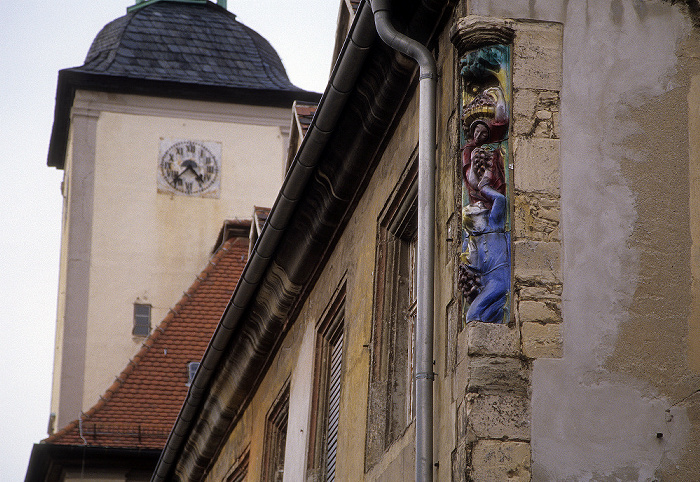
177,120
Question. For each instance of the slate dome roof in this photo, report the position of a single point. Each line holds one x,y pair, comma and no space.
187,43
189,49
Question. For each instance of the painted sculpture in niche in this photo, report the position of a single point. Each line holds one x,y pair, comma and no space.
484,271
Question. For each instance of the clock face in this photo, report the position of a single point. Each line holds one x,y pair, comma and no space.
189,168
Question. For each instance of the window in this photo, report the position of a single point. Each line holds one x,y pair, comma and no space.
392,401
328,370
191,372
142,320
276,437
239,471
333,404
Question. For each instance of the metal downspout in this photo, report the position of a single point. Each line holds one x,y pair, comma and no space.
424,375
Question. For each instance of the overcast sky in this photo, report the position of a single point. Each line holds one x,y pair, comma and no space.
37,39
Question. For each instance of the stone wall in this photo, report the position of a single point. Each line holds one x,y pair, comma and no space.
494,361
621,402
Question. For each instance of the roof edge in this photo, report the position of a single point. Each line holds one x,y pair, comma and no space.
46,459
385,79
147,343
144,3
70,80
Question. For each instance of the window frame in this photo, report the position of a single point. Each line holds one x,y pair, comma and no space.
239,471
276,423
330,337
139,327
391,407
192,368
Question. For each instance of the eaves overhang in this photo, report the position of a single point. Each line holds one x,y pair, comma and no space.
48,462
72,80
367,92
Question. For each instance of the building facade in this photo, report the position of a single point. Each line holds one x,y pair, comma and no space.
178,119
564,328
121,436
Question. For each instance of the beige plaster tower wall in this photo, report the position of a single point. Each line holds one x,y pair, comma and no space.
143,245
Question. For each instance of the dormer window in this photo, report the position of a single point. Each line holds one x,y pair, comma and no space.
142,320
191,372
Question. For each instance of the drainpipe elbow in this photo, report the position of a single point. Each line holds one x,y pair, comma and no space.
400,42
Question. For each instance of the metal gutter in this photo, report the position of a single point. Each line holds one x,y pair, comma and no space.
368,89
424,375
341,83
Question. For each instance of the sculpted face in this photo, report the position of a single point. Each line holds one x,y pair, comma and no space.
481,134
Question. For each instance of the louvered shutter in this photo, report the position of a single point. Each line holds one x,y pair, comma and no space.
333,412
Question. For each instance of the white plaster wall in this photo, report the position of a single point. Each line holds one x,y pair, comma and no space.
60,305
301,388
149,246
589,422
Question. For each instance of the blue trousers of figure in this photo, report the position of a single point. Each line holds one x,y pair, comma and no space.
489,305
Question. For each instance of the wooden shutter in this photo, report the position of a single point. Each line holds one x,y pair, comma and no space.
333,412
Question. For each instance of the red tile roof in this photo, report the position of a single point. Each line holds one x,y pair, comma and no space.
140,407
303,114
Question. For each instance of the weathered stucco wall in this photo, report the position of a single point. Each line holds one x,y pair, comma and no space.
623,402
351,265
603,374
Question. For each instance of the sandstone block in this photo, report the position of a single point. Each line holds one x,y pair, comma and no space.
491,339
542,341
524,106
460,462
536,217
463,342
537,311
463,429
460,379
536,165
535,113
537,261
452,323
548,292
537,55
498,375
501,416
497,461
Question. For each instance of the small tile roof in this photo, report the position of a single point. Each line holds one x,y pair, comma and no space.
189,43
139,409
304,114
260,215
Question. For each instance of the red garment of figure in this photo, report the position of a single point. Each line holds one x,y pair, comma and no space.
471,179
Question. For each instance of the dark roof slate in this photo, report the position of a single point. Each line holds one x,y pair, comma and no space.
177,50
187,43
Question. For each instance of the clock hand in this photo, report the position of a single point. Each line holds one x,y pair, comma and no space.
197,176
